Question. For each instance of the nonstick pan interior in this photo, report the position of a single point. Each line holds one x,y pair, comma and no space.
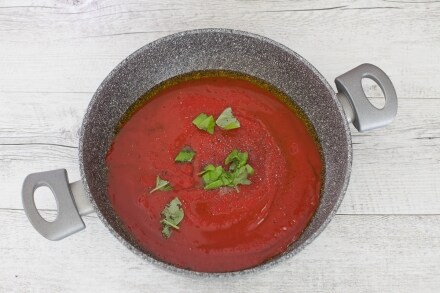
213,49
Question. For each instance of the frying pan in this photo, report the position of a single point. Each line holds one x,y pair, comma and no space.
212,49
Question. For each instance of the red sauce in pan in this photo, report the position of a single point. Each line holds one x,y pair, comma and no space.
222,230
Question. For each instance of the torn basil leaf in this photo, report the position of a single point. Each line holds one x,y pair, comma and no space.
236,159
212,175
207,168
227,121
205,122
216,177
249,169
213,185
185,155
162,185
240,177
172,215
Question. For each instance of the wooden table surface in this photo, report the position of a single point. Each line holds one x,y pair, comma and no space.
386,236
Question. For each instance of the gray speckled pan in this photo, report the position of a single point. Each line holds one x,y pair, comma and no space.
329,112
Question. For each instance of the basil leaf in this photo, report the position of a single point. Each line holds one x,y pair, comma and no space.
249,169
213,185
236,159
166,231
227,179
240,177
212,175
205,122
162,185
185,155
172,215
207,168
215,176
227,121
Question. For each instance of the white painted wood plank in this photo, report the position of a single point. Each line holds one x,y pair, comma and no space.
42,118
395,170
54,54
354,254
60,47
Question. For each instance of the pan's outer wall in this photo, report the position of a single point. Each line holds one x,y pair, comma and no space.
215,49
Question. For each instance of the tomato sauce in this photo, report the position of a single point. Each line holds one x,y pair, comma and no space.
222,229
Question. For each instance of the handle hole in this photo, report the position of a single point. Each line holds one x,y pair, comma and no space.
46,203
373,92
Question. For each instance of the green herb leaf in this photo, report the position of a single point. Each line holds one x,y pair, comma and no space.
236,159
162,185
240,177
205,122
166,231
249,169
207,168
215,184
212,175
185,155
227,121
227,178
172,215
215,177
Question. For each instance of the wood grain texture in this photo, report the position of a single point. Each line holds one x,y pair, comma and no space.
386,238
354,254
395,170
70,48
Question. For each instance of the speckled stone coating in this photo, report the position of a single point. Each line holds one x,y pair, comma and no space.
211,49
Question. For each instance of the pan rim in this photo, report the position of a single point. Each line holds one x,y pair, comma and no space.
263,266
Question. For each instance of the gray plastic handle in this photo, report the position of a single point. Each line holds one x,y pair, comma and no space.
71,204
358,108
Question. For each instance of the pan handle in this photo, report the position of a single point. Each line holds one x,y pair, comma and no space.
358,108
71,200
